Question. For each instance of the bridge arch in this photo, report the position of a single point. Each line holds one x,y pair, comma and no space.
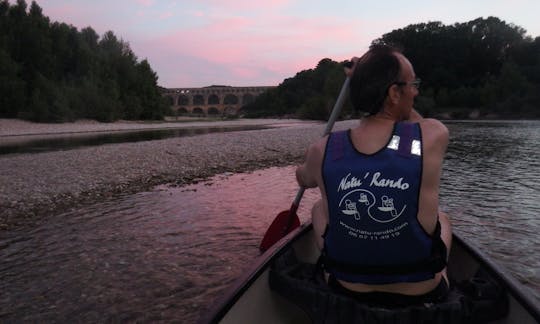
213,111
213,99
247,99
198,100
183,100
198,111
229,111
230,99
225,100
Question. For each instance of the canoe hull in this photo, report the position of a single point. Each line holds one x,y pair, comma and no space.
250,299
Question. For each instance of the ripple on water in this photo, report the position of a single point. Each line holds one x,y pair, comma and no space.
164,255
168,252
491,190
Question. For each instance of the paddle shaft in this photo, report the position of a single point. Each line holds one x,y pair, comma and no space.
331,121
288,220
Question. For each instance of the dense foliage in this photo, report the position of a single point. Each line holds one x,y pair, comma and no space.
310,94
53,72
481,68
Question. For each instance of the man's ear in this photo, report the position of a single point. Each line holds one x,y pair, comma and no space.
394,94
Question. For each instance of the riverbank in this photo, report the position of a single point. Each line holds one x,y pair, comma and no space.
13,128
34,186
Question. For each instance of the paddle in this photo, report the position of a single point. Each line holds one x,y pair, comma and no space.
287,220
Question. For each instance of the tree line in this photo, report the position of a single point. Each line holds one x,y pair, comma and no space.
484,68
54,72
51,72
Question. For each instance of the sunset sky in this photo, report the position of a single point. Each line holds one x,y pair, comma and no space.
246,43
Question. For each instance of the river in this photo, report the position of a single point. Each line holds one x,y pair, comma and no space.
166,254
52,142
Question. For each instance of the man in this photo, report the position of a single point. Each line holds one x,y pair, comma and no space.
378,223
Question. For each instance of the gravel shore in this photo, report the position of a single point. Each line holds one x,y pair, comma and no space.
33,186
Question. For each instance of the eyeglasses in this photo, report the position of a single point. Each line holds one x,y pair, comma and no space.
415,83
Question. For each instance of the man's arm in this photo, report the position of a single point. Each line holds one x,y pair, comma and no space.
308,172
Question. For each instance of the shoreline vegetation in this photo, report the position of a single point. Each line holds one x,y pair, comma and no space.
493,72
53,72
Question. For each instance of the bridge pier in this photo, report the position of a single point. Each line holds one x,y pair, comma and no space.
212,100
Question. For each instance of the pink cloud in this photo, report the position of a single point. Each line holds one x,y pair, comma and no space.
268,49
223,45
244,73
146,3
166,15
234,35
246,4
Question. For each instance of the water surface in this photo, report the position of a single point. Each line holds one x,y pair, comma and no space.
168,253
75,140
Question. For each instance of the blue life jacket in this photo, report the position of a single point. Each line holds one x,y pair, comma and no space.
373,235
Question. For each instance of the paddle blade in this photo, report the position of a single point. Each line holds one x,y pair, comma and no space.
283,224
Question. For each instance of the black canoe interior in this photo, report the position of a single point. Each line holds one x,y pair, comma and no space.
249,299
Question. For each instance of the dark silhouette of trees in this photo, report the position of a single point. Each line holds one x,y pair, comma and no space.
310,94
53,72
50,71
484,67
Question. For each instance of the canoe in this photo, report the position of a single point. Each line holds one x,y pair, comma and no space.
251,299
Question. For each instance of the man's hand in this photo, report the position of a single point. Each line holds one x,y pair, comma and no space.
350,65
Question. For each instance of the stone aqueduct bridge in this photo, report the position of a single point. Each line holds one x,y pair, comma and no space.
212,100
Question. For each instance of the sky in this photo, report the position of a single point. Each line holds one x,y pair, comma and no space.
200,43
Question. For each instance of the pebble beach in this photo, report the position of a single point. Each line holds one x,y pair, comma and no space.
35,185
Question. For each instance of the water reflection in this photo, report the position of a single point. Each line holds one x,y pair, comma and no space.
160,255
166,254
71,141
491,189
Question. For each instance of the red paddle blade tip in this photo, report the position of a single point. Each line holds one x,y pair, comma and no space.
284,223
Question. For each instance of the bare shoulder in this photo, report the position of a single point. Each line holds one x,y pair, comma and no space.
433,128
434,135
318,147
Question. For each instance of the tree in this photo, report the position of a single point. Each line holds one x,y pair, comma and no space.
12,88
480,61
53,72
310,93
